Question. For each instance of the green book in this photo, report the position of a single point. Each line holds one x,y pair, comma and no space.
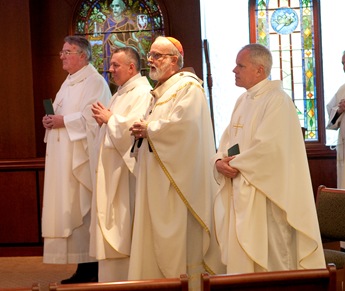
234,150
48,106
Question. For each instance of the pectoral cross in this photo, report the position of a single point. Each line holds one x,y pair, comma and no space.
237,126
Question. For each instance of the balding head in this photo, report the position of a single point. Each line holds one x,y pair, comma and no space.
164,59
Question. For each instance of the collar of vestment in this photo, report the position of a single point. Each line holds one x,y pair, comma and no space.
161,88
129,85
81,75
257,90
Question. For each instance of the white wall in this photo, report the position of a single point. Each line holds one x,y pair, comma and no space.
226,35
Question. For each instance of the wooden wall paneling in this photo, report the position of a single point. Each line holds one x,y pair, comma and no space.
323,171
50,23
17,130
20,218
21,193
184,24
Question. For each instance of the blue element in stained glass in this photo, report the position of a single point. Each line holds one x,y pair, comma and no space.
284,20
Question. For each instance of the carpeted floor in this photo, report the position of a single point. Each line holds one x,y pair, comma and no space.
19,272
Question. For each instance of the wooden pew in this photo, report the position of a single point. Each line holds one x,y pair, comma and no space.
34,287
294,280
168,284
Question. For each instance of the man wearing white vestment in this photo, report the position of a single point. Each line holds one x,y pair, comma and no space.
173,222
67,182
113,197
264,209
335,109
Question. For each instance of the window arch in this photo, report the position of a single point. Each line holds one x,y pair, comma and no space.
289,28
116,23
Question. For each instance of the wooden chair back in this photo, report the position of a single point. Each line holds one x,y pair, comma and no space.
294,280
168,284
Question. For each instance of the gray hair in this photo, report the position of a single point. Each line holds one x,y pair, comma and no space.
260,55
180,61
132,55
82,43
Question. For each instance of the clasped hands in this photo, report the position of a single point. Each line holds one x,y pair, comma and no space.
139,129
100,113
53,121
223,167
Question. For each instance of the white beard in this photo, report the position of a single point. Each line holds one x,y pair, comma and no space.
159,72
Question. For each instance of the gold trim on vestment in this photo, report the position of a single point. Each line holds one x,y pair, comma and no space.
207,268
174,95
172,181
185,201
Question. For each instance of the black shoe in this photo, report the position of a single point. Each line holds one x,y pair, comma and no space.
86,273
77,278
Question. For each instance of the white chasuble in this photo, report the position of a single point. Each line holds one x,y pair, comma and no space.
173,223
265,217
113,199
67,182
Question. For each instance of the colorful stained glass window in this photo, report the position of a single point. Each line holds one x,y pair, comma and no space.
286,28
116,23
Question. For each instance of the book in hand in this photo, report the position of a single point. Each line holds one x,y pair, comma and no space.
48,106
234,150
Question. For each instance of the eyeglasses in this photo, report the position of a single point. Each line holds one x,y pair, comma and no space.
157,56
67,53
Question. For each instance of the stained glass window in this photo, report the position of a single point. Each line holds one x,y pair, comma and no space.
116,23
286,27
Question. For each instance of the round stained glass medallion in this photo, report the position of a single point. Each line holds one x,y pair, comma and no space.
284,20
